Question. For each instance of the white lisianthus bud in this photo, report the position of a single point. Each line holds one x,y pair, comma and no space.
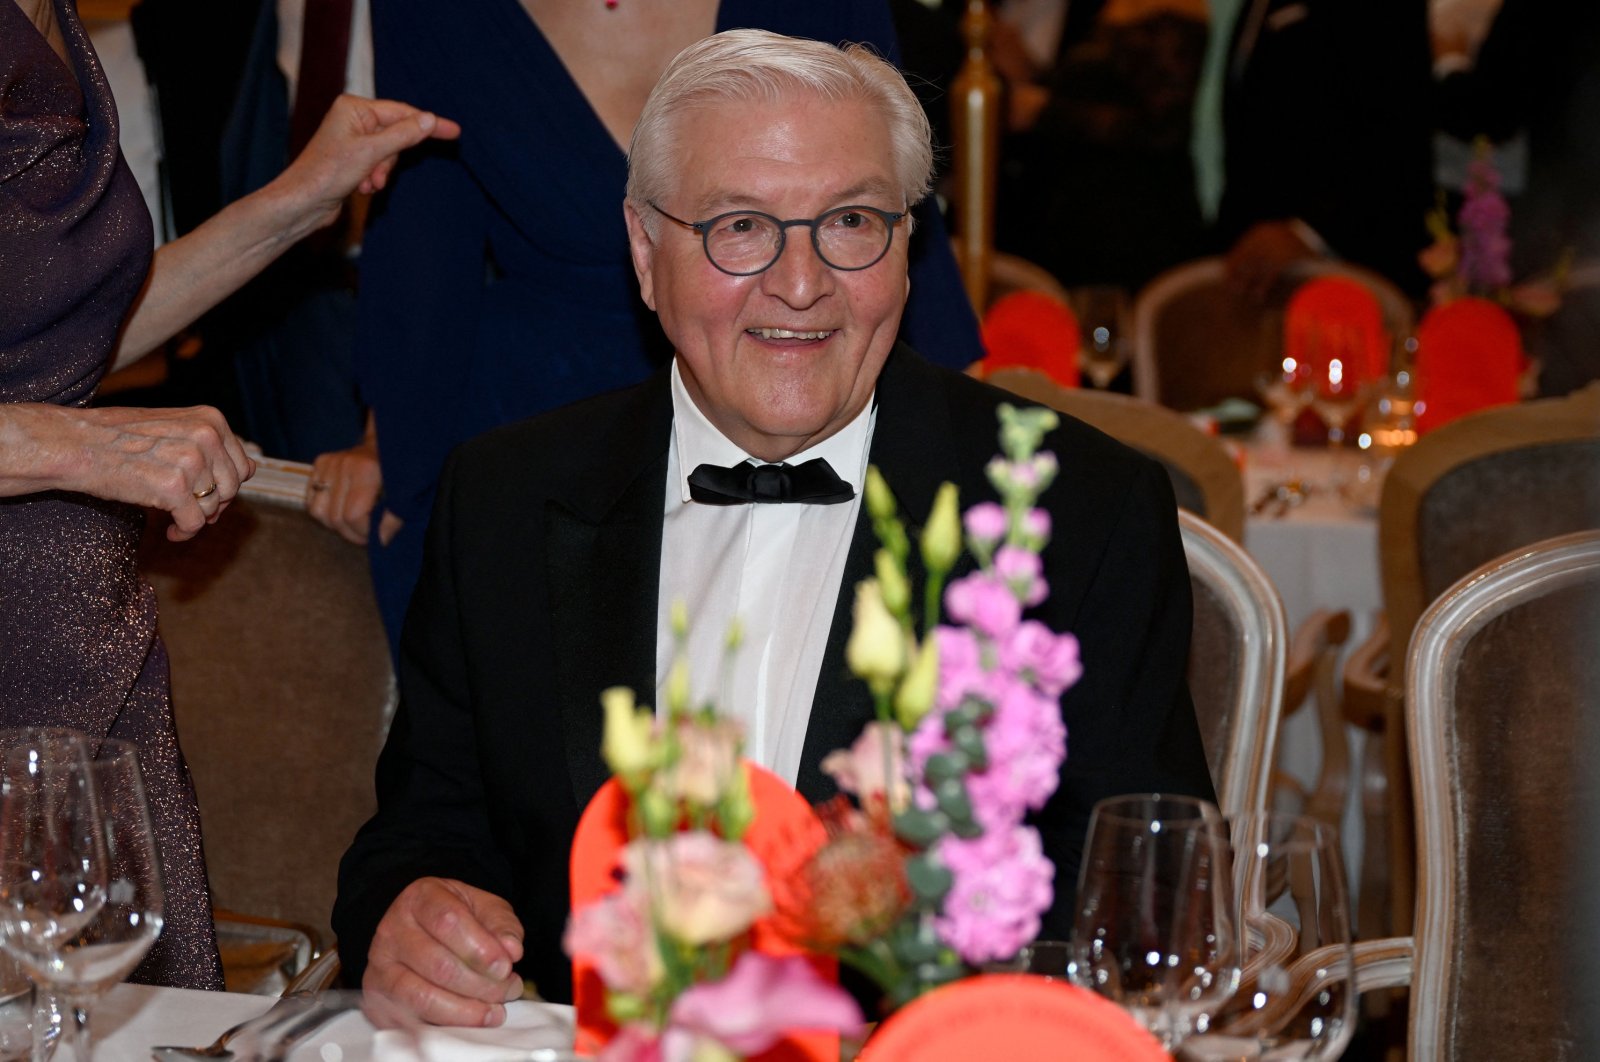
941,539
914,699
878,496
628,745
892,583
876,651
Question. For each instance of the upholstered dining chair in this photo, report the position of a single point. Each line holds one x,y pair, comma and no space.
283,691
1462,495
1502,679
1237,654
1197,341
1204,478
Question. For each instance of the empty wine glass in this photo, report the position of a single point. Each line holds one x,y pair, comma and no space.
1336,396
1286,390
1296,998
107,947
1102,312
1154,929
52,854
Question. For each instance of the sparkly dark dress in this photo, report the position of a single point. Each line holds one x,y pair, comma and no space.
78,644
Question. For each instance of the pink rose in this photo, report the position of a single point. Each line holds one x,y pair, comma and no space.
701,888
708,756
614,933
873,769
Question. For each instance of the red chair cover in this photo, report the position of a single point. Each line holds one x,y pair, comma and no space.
1469,357
784,833
1031,330
1336,317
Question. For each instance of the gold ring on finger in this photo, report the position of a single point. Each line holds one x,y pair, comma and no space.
208,492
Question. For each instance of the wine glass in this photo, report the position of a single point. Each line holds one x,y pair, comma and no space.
107,947
1297,998
1336,396
1102,312
1154,929
52,854
1286,391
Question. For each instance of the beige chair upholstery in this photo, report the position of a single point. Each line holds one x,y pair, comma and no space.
1236,663
1204,477
1503,682
283,691
1462,495
1197,341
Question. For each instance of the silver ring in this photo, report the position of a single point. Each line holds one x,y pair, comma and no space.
208,492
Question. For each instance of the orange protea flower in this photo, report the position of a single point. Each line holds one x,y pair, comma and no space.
849,891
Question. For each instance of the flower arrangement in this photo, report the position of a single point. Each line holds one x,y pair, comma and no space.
1473,258
673,943
929,872
968,739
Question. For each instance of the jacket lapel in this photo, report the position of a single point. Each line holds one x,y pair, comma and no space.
604,558
911,411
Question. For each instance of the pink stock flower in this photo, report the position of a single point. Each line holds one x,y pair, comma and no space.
1048,659
762,998
614,933
1023,573
633,1043
1036,527
873,769
1002,882
983,603
1026,742
700,887
986,522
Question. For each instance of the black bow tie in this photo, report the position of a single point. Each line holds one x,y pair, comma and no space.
814,482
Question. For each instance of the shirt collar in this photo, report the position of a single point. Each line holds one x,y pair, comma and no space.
698,442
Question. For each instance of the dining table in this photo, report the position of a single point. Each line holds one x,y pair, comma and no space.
131,1019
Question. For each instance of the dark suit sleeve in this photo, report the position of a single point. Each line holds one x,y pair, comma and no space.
1130,723
432,818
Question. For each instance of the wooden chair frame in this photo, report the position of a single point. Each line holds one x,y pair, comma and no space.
1223,566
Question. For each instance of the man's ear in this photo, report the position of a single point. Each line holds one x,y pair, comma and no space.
643,253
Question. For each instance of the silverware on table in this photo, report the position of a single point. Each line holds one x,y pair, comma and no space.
256,1029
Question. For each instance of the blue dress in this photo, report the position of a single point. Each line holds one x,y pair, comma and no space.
495,277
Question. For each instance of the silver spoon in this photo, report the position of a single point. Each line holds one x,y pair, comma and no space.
295,1004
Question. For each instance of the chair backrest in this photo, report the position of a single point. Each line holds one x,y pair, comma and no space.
1198,341
1504,681
1204,478
283,691
1478,488
1237,656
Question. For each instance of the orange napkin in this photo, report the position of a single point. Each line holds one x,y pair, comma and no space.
1031,330
1469,357
1015,1017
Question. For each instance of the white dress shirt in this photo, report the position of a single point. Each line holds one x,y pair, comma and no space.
777,567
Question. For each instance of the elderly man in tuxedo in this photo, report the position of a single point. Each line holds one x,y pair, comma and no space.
770,180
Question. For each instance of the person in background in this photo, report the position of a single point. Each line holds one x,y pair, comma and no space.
1326,136
493,266
78,639
1096,182
559,545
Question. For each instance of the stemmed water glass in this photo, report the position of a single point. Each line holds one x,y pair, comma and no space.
1336,396
52,851
1102,311
1154,927
107,947
1297,997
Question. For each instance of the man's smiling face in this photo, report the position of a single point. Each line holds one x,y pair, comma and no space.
780,360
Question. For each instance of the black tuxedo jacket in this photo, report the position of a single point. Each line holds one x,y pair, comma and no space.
540,589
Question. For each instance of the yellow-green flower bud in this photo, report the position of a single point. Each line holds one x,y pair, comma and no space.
878,496
941,539
658,813
876,651
680,620
735,635
736,812
915,697
678,687
892,583
628,744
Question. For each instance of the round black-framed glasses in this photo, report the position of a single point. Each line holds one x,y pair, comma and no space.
742,243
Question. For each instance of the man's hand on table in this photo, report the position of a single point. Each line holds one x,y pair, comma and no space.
443,954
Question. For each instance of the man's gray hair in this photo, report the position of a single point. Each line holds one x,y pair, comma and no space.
747,65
